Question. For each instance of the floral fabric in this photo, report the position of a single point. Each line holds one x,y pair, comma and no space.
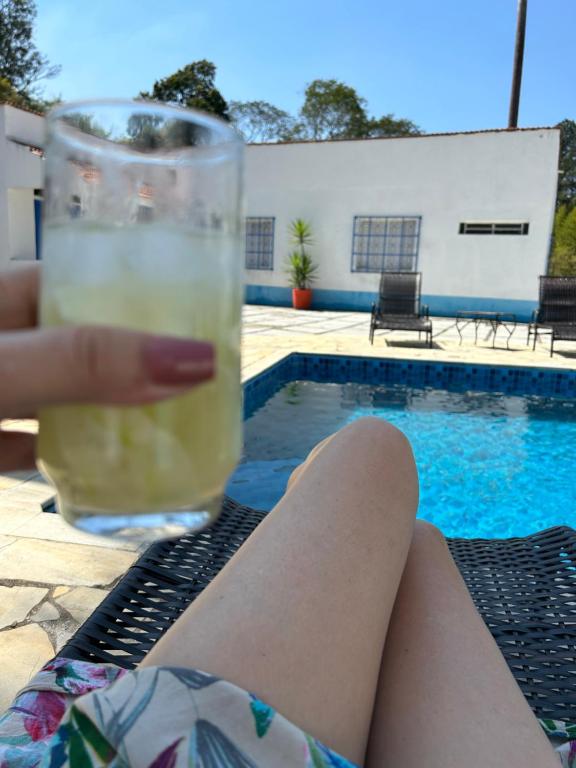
78,714
156,717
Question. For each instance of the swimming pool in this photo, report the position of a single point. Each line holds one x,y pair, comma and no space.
495,447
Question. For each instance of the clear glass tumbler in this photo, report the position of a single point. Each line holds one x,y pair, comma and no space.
142,230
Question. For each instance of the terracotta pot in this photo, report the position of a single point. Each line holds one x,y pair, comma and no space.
301,298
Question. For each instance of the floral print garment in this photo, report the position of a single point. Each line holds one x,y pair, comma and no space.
162,717
152,717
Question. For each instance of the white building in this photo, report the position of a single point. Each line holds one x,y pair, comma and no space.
21,175
472,211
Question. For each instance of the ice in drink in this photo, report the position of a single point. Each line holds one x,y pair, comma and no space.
169,456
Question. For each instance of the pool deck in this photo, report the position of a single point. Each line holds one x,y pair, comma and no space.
52,577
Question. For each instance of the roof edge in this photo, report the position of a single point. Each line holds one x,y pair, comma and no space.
21,108
409,136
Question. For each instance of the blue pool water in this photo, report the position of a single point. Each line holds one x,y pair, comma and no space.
491,465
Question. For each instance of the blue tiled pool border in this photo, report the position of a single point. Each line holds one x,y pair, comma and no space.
455,377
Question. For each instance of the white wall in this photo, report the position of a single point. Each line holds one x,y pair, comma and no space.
4,243
21,171
21,230
490,176
445,179
23,126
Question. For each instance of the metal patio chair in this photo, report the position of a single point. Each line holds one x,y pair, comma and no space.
398,307
556,313
524,588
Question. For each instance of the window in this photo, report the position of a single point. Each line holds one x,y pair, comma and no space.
494,228
259,242
385,243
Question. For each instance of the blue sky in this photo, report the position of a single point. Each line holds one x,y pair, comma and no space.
445,64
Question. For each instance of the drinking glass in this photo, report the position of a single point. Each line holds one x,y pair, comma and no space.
142,230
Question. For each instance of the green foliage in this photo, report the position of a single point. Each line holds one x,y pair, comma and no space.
333,110
9,94
567,164
563,260
86,124
192,86
301,269
301,233
388,125
259,121
21,64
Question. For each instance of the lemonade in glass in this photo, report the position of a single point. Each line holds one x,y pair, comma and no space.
142,231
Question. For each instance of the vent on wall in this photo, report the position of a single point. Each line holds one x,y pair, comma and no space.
494,228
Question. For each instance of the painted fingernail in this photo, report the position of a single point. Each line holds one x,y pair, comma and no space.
178,361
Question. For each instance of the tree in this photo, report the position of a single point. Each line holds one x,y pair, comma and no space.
9,94
563,261
259,121
192,86
21,64
332,110
388,125
567,164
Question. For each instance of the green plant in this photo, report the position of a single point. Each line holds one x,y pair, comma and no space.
301,269
563,260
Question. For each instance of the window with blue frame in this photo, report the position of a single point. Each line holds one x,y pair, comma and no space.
260,242
385,243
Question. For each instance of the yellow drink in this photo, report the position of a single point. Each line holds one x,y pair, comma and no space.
170,459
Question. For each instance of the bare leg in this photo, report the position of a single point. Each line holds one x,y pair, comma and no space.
300,614
446,697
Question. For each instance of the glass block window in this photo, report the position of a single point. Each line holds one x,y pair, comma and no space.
494,228
260,242
385,243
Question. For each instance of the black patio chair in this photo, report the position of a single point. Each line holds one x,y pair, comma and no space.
398,307
556,309
524,588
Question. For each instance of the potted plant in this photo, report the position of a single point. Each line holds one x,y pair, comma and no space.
301,269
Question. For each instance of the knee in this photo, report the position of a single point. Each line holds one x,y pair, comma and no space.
376,435
427,536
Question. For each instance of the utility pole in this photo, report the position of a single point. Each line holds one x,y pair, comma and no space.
518,60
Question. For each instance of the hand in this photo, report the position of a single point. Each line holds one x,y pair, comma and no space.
83,364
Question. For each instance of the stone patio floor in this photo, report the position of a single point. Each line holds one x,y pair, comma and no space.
52,576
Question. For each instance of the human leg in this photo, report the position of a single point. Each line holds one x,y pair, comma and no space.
446,698
300,614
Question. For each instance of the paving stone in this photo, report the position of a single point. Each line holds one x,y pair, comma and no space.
13,516
80,602
59,591
46,612
49,562
24,650
62,634
17,602
53,527
20,425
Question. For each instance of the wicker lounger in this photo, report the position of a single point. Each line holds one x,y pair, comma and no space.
399,307
562,333
556,313
525,589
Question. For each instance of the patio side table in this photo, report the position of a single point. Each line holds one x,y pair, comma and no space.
495,320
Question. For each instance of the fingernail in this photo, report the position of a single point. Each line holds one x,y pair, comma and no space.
178,361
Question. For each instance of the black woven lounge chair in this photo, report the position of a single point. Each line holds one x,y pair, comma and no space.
556,313
525,589
398,307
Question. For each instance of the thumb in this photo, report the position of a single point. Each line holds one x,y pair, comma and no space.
94,364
